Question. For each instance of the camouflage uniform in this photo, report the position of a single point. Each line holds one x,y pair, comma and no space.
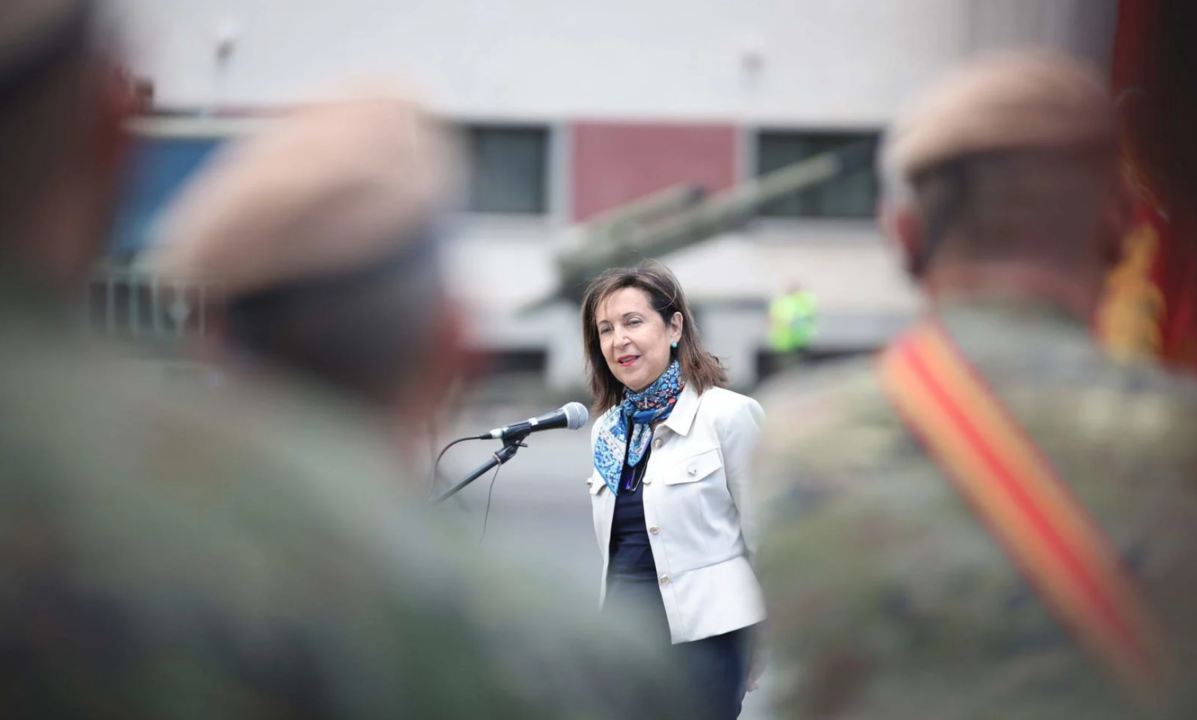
890,599
162,556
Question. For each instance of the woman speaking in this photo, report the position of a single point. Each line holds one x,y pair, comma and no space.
670,485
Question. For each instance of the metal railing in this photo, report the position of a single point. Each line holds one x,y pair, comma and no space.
130,304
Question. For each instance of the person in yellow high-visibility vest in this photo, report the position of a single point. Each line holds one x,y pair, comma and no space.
793,319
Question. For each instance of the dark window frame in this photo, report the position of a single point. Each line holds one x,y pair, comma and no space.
495,190
821,202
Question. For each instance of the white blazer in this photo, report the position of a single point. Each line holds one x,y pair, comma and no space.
697,508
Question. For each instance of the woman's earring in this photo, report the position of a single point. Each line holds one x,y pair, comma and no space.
673,345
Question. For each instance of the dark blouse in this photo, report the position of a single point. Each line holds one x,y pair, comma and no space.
631,555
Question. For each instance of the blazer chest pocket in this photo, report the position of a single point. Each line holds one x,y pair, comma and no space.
694,468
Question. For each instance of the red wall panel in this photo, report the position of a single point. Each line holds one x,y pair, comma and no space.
615,163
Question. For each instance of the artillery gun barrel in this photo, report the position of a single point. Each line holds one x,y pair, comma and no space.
720,213
647,209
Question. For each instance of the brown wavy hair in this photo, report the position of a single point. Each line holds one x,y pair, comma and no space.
700,369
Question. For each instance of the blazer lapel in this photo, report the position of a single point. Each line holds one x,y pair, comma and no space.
682,417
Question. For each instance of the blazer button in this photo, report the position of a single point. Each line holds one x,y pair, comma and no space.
657,444
692,471
648,481
654,530
664,579
590,482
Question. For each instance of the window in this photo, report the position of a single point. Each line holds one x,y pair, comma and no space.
158,168
508,169
849,196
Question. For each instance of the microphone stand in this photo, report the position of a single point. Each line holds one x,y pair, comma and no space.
511,445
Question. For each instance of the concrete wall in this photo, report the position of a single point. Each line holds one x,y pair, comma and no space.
794,61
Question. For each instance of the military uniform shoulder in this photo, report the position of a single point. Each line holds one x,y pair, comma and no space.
1143,408
1153,378
804,400
1069,388
101,424
823,428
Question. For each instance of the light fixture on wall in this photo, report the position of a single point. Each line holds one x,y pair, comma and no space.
228,33
750,50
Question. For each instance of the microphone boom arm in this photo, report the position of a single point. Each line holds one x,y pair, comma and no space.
511,445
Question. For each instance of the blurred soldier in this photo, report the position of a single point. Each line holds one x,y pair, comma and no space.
994,520
320,237
793,322
161,556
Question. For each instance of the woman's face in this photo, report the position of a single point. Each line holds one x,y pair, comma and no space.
634,339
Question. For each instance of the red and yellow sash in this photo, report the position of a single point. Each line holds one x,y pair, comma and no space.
1046,531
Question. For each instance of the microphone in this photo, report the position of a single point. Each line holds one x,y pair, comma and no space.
572,416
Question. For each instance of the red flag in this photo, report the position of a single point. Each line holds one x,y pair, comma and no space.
1152,300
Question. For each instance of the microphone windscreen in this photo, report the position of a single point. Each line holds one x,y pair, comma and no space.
576,415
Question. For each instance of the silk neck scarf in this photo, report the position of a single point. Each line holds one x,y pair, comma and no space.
637,413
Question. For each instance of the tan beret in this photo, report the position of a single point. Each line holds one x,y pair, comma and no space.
26,23
330,187
1025,100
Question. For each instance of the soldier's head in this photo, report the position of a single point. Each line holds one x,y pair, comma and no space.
320,234
61,140
1007,174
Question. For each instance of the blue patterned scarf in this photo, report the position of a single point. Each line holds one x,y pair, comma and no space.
643,408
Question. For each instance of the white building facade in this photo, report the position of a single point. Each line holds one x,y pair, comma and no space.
572,108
